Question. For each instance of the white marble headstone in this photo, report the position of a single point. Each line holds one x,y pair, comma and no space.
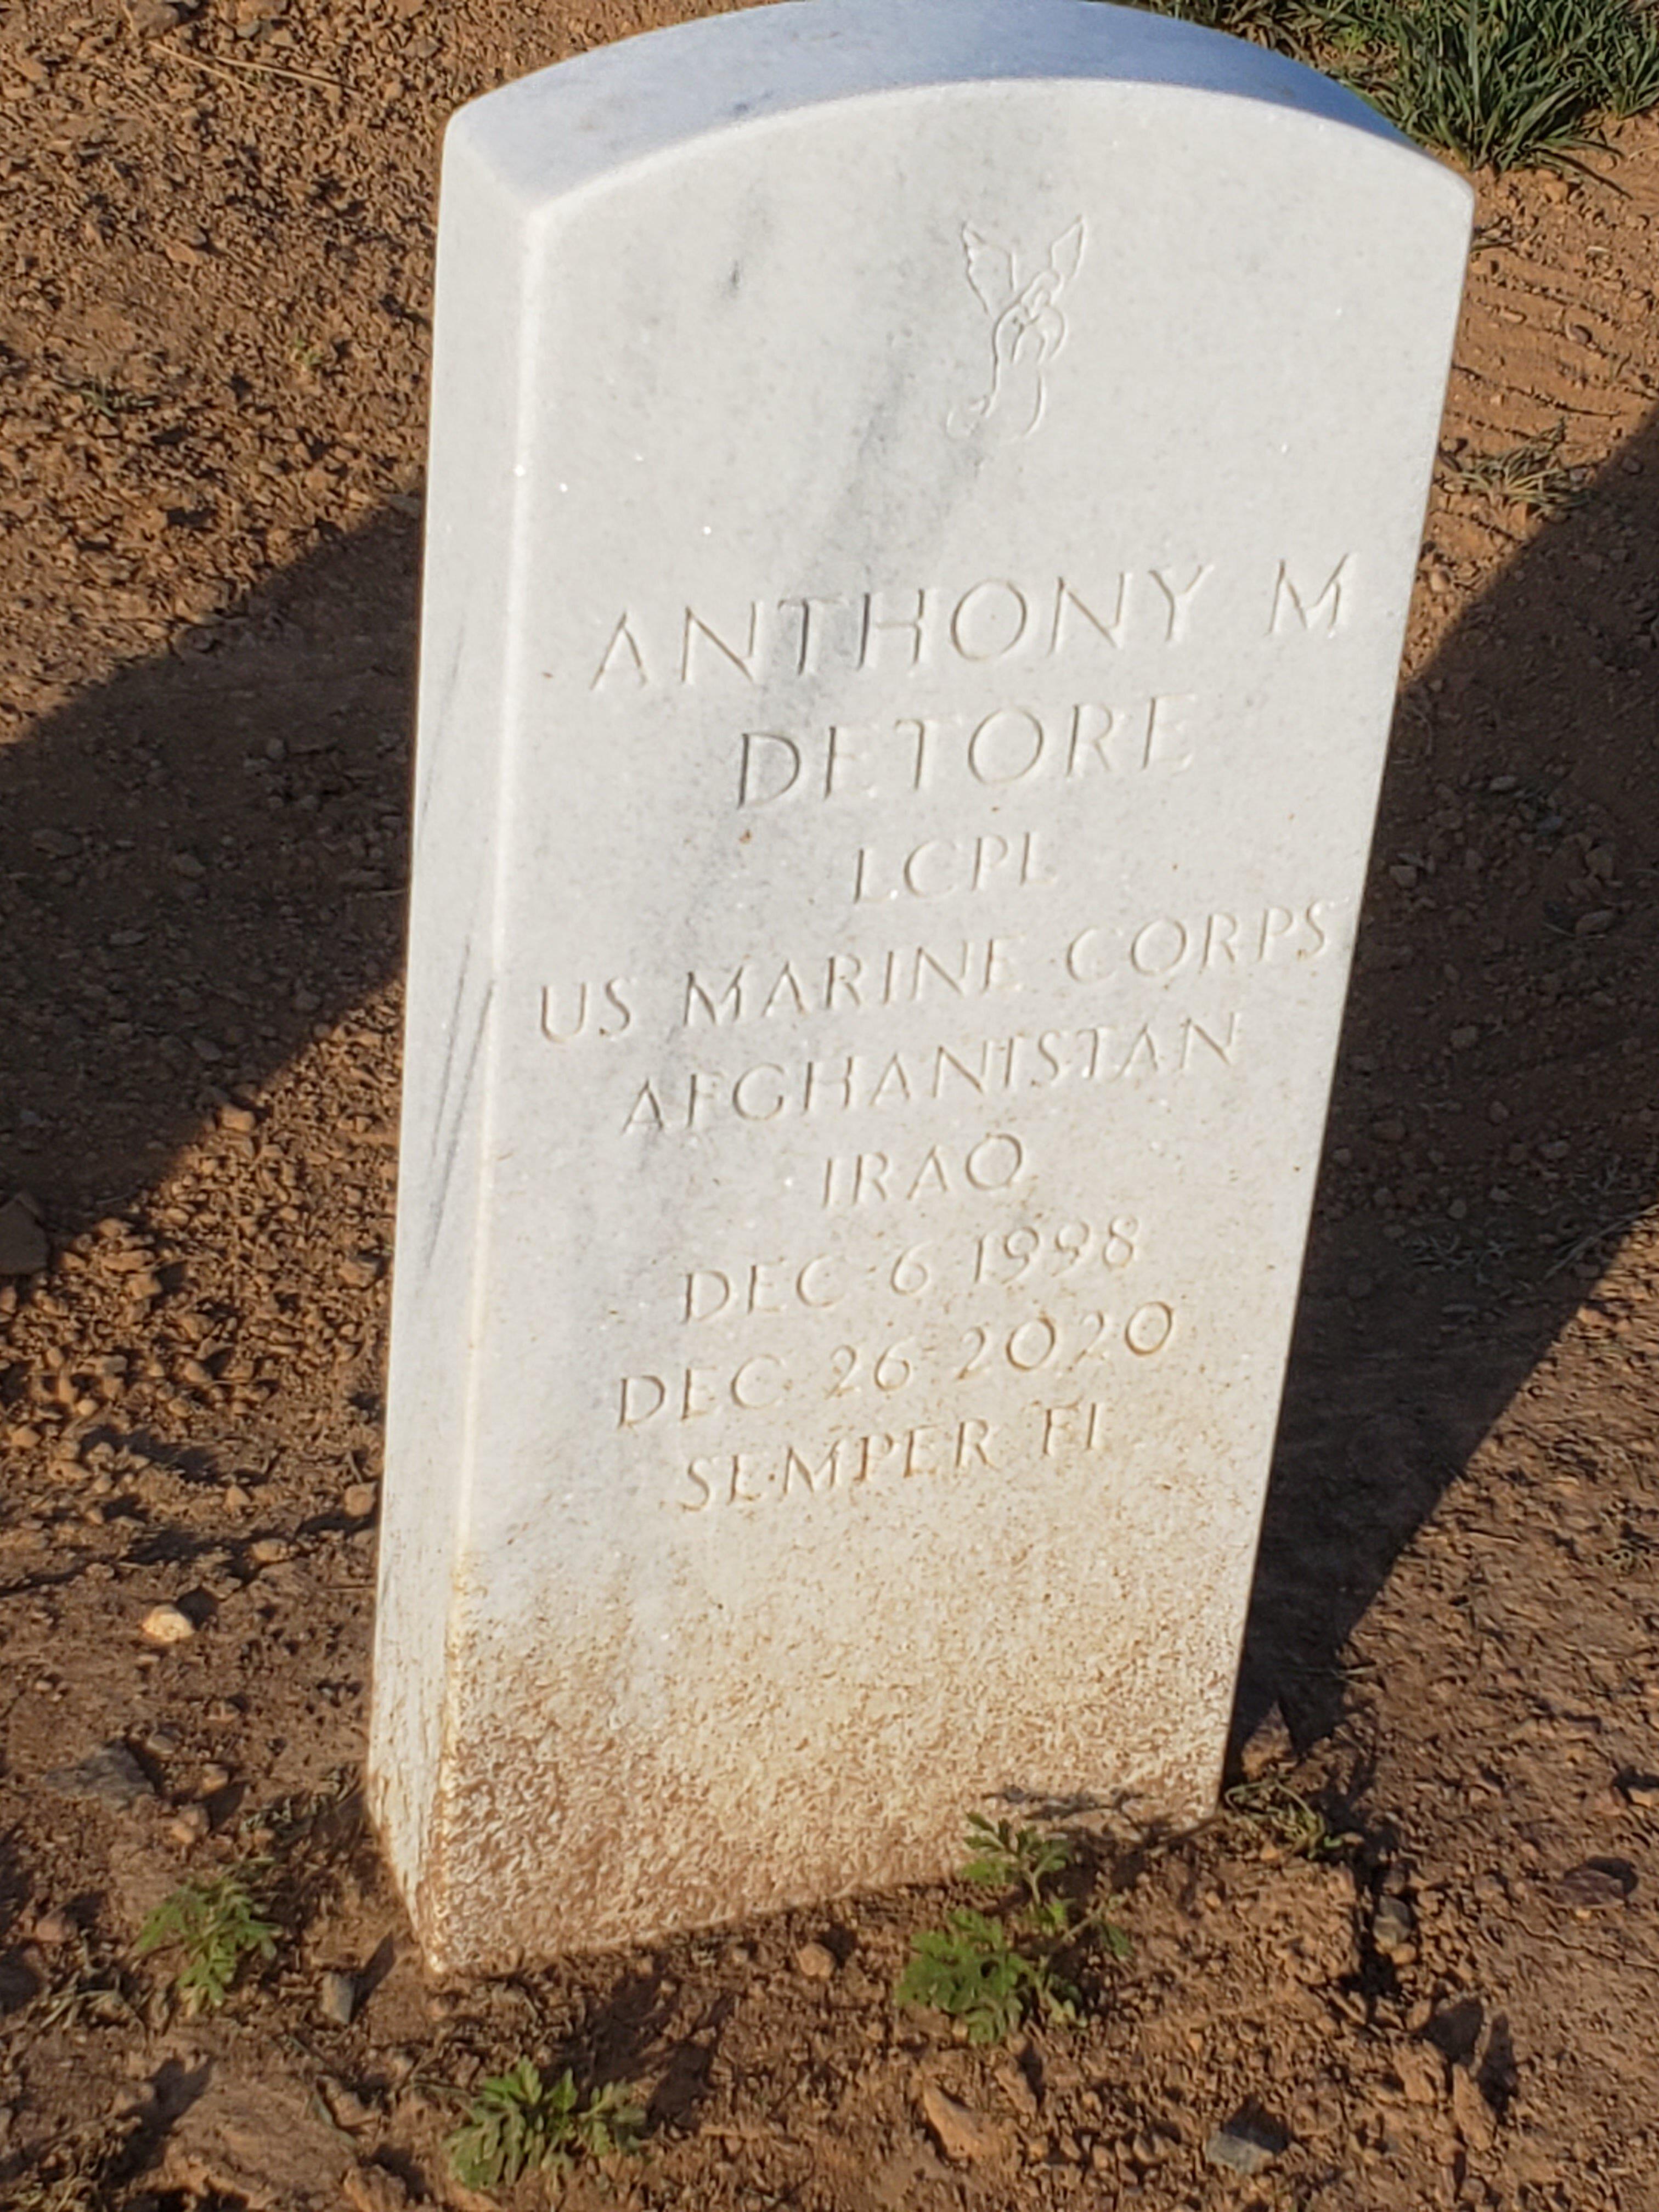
923,500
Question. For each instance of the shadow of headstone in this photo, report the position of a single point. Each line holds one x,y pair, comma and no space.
203,862
1500,1045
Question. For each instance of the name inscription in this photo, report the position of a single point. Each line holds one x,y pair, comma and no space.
909,629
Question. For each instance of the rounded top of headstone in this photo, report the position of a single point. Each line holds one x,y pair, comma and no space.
582,120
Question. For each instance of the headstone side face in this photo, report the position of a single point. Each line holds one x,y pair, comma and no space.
916,575
466,649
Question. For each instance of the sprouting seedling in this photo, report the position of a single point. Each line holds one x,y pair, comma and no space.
517,2124
1008,1856
212,1926
990,1973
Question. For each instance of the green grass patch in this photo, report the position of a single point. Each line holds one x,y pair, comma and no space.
1503,84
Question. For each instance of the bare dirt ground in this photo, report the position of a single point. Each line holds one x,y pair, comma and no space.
212,345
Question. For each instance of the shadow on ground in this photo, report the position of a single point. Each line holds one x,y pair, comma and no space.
1500,1046
204,862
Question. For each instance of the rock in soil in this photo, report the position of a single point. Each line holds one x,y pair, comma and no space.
963,2135
1243,2148
337,1997
1595,1884
256,2144
1391,1925
23,1247
109,1777
165,1624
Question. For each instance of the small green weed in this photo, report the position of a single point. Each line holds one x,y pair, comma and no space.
1004,1857
212,1926
991,1974
1286,1819
972,1970
99,398
517,2124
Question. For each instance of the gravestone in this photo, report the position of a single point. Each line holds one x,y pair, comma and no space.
922,507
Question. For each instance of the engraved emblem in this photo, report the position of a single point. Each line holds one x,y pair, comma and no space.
1027,331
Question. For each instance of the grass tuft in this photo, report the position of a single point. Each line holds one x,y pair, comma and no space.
1285,1820
1531,474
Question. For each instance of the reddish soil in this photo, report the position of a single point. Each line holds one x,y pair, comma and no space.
212,349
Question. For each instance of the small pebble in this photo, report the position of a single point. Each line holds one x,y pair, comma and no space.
1237,2152
357,1501
348,2109
337,1997
1595,1884
963,2134
52,1928
214,1778
816,1962
190,1827
1391,1925
165,1624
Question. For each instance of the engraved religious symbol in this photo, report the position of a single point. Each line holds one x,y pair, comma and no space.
1027,331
